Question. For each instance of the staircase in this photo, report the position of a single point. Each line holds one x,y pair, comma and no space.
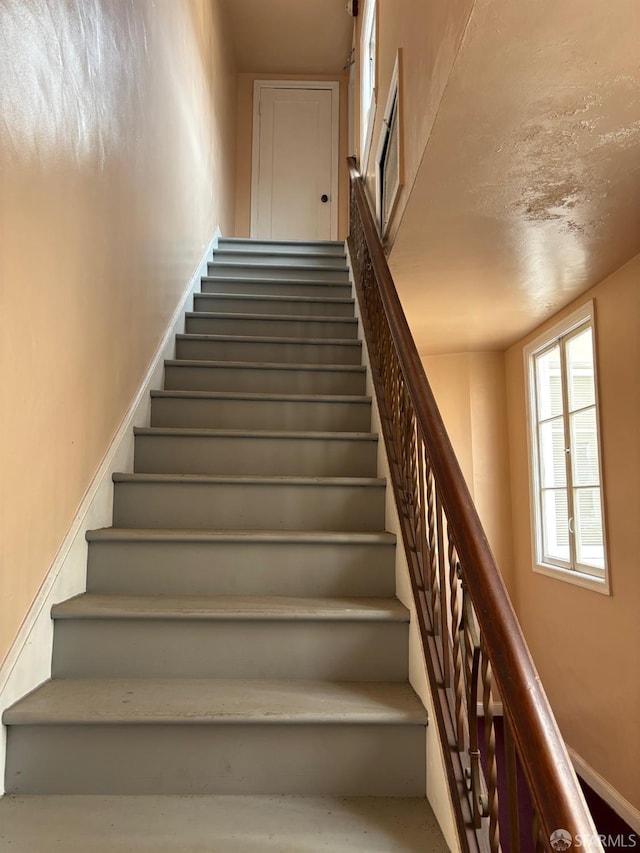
239,635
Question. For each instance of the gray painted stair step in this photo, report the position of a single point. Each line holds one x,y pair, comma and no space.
275,304
271,325
189,636
305,259
174,451
231,608
241,503
226,824
205,736
245,348
320,289
247,244
289,272
170,562
265,377
221,702
226,410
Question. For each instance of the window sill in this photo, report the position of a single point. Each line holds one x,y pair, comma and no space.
585,581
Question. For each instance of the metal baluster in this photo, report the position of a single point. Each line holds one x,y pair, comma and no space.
456,651
491,762
433,551
442,579
423,532
475,779
511,770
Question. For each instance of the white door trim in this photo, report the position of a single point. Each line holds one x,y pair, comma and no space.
334,88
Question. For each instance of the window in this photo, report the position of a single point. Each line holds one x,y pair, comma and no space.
367,81
389,160
568,523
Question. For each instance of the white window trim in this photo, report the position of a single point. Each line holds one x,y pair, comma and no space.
369,24
573,576
395,91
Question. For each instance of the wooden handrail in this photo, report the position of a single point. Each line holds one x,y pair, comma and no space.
553,784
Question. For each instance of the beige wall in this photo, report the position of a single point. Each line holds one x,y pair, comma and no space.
586,645
429,35
470,392
244,148
117,145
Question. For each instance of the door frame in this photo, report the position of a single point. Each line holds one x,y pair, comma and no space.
334,88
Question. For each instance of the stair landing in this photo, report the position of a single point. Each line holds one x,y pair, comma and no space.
229,824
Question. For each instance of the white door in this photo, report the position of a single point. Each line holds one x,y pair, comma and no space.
295,168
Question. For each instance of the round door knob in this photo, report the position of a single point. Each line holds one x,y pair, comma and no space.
324,199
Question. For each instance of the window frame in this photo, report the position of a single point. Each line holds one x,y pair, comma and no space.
368,35
392,120
570,571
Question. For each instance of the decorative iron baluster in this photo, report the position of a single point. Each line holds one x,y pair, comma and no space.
491,764
511,783
422,533
434,585
445,631
475,780
456,649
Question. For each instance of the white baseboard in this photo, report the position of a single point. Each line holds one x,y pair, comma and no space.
28,662
629,813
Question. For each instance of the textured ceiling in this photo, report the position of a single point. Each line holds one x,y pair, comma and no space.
529,189
290,36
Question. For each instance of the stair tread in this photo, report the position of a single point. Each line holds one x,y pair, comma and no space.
263,339
226,607
231,824
289,318
140,534
275,297
113,701
252,395
270,242
243,479
249,433
320,282
234,265
266,365
282,252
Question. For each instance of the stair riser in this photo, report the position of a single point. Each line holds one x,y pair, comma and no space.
230,506
336,760
280,259
320,290
260,456
292,353
212,302
228,272
241,568
145,648
263,380
200,324
284,246
260,414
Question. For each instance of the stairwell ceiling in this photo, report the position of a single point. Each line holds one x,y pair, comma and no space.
528,192
290,36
